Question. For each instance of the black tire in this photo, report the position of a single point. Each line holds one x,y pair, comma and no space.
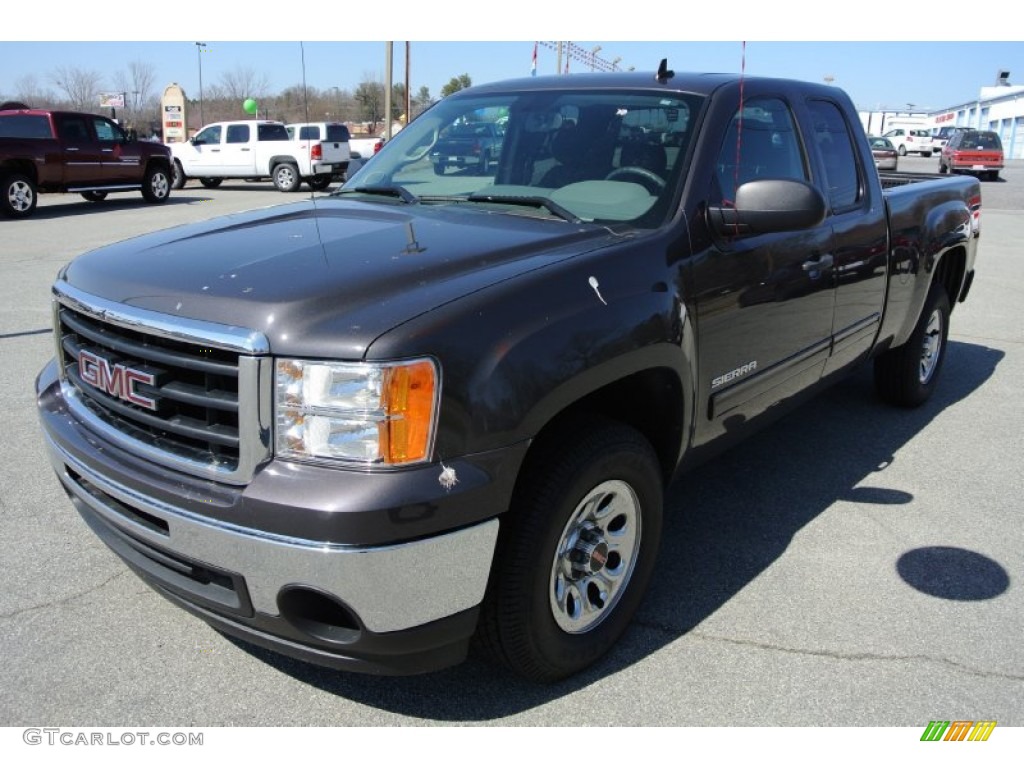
586,516
211,183
156,184
926,154
439,169
94,195
178,177
907,375
286,177
903,151
19,197
319,183
485,162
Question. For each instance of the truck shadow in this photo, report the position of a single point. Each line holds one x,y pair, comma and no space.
726,522
79,207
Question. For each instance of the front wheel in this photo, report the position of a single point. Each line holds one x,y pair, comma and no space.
903,151
211,183
286,177
19,196
156,184
576,551
907,375
94,195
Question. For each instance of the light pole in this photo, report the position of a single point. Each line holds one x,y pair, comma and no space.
199,57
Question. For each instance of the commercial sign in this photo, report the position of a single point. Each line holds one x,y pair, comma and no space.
112,100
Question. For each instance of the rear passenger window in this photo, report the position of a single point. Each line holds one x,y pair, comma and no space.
760,143
832,135
238,134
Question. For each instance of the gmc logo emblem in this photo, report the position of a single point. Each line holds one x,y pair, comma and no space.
117,381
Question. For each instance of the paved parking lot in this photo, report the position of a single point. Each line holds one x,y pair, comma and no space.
852,565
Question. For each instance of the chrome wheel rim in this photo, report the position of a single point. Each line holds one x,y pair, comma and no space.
160,185
19,195
931,349
595,557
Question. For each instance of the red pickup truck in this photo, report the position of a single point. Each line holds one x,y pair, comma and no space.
49,151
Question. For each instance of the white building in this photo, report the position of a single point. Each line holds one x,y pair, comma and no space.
998,108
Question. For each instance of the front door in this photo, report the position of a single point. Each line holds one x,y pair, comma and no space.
764,301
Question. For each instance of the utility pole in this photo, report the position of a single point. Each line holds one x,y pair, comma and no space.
199,56
389,47
408,95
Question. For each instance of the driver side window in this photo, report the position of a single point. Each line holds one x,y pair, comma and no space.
760,143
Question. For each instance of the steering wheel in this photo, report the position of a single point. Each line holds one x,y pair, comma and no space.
418,154
636,170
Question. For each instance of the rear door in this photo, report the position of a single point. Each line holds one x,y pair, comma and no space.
238,156
860,232
82,158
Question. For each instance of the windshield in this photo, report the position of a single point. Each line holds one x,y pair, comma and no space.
606,157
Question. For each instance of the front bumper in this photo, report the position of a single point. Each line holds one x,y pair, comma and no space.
398,608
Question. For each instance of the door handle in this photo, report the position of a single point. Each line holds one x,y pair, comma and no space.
819,263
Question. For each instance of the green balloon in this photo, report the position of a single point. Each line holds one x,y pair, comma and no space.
249,105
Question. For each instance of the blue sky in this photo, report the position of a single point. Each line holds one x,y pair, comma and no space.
876,73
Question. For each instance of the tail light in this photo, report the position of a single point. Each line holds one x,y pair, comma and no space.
975,204
316,152
377,145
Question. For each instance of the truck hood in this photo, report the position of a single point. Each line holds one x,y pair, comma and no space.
326,277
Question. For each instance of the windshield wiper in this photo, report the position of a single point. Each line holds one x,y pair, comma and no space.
537,201
386,191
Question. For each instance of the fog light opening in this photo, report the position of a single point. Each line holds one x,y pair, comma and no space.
318,614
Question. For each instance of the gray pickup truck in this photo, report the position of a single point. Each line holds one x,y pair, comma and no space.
364,429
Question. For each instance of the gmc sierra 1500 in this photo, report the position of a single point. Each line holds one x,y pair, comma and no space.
365,428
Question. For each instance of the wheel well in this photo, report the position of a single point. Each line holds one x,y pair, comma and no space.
950,273
24,167
650,401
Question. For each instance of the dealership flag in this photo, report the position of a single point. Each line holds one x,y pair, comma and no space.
533,66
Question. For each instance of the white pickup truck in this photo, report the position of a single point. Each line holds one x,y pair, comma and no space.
253,149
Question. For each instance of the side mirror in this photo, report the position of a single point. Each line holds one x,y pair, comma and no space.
770,205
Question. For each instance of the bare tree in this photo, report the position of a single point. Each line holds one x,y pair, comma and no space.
81,87
243,83
136,83
370,97
28,90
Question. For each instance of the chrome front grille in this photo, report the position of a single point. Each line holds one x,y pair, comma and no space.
189,395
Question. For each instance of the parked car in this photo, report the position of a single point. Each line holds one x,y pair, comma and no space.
467,145
886,157
941,136
917,140
333,139
54,151
976,152
433,407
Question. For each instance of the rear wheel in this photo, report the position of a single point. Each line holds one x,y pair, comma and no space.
211,183
286,177
156,184
94,195
907,375
178,177
575,553
902,151
19,196
319,183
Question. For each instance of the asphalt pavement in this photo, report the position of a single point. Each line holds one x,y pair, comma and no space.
854,564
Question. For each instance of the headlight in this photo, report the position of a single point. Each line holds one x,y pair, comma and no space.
369,413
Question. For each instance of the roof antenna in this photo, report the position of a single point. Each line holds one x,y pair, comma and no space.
664,73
